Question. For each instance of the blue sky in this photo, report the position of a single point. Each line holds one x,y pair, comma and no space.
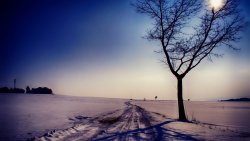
95,48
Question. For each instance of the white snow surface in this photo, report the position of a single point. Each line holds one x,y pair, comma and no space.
235,114
24,116
63,118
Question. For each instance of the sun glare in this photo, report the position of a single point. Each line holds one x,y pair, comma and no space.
216,4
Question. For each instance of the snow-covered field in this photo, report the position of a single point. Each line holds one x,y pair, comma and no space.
53,117
236,114
24,116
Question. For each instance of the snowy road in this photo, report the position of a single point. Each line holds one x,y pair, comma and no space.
59,118
123,124
133,123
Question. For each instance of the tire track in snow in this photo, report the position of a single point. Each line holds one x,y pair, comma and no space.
115,125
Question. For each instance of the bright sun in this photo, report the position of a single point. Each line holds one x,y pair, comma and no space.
216,4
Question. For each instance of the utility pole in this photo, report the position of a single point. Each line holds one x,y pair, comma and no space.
14,83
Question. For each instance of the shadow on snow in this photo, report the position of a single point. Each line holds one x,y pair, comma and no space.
156,132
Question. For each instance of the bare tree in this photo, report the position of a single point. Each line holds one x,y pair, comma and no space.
189,31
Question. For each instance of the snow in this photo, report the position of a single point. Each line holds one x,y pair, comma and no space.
236,114
209,120
62,118
24,116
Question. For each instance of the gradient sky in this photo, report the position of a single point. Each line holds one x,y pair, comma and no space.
95,48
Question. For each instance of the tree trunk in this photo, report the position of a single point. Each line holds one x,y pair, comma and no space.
182,115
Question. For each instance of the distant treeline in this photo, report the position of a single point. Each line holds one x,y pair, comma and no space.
11,90
238,99
39,90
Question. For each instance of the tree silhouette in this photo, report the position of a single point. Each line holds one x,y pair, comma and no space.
189,31
28,89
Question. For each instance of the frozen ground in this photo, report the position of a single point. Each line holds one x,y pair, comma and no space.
45,117
24,116
235,114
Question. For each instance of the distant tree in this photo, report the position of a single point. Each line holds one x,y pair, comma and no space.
155,97
16,90
4,90
189,31
41,90
27,89
11,90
